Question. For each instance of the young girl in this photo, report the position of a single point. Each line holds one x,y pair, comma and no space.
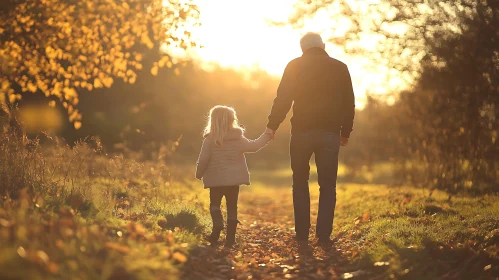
222,167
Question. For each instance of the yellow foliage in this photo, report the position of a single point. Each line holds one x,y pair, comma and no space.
13,97
5,85
84,44
154,70
77,124
97,83
138,56
32,87
108,82
69,93
74,115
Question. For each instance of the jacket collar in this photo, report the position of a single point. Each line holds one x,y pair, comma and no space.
315,51
233,134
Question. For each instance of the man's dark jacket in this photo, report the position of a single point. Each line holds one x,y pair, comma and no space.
321,89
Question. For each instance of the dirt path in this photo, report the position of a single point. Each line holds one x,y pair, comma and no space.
266,248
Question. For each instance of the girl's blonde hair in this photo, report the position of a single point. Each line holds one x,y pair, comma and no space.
220,120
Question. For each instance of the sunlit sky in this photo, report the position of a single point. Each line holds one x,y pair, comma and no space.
237,34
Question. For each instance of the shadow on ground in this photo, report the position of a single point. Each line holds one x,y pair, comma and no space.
266,261
292,261
441,261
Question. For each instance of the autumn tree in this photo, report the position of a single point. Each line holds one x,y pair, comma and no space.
457,98
59,47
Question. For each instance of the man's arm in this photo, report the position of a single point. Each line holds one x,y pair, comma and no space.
348,105
283,101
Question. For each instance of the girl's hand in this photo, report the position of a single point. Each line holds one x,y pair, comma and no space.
271,132
343,141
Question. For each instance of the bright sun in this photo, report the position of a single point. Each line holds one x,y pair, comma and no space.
237,34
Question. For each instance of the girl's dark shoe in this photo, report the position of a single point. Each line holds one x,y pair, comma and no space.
230,239
218,226
214,236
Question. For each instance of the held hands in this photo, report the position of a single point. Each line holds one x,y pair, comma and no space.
270,132
343,141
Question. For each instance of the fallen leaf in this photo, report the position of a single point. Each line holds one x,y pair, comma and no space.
42,257
162,223
181,258
366,217
381,263
21,252
117,247
53,268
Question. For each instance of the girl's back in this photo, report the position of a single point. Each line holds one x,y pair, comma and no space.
225,164
222,167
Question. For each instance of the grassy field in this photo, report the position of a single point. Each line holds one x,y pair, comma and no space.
81,214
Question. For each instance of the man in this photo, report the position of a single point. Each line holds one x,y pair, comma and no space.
320,90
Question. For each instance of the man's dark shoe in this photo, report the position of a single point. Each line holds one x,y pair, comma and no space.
325,242
304,248
214,236
301,238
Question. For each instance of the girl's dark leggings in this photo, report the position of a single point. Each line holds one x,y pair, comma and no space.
231,194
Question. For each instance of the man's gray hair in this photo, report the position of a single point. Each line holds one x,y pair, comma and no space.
311,40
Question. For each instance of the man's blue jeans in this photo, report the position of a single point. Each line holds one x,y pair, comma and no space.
325,145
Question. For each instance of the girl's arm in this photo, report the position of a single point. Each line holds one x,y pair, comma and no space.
204,157
253,146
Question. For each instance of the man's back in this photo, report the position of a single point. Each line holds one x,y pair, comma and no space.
321,89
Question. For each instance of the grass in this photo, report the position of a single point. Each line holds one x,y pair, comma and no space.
77,213
381,173
420,236
415,233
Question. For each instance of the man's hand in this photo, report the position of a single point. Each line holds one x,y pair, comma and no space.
343,141
271,132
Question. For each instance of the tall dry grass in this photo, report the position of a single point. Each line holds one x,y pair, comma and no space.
75,212
87,179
